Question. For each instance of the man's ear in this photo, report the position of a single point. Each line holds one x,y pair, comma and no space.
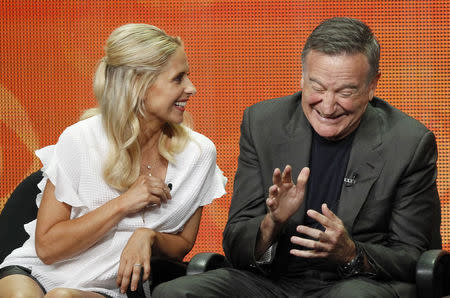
373,85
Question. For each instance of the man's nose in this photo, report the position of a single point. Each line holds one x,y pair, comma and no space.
328,103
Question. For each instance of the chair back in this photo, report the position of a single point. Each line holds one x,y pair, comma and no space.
19,209
436,239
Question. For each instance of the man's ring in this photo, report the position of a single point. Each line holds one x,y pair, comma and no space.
138,265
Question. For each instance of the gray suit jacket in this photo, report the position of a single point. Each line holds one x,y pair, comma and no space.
388,211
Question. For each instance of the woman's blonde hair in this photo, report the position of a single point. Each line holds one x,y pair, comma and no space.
135,55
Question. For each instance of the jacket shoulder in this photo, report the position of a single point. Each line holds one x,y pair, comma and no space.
392,120
276,104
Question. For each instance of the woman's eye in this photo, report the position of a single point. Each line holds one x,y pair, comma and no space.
179,77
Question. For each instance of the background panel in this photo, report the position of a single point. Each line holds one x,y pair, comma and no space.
240,52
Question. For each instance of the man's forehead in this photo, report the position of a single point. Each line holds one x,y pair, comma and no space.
344,65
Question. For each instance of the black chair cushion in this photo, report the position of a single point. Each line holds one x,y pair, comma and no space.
19,209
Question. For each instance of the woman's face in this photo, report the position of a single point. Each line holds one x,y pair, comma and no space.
167,97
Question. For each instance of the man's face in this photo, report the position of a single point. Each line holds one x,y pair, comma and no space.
336,92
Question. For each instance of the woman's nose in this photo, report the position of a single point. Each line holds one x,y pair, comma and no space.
190,88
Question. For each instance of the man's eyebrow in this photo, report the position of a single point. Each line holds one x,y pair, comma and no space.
345,86
348,86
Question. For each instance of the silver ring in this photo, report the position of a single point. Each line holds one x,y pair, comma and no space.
139,265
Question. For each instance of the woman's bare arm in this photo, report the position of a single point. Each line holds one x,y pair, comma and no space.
58,237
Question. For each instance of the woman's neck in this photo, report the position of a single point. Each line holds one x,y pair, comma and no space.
150,133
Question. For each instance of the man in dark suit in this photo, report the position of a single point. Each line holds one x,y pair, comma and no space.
360,213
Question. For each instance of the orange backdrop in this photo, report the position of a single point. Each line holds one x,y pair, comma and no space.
240,52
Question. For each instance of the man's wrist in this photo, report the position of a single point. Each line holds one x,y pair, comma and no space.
267,235
355,266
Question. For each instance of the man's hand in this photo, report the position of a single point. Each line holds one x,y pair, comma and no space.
284,196
284,200
333,243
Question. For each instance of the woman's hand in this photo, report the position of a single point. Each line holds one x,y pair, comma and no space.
146,191
135,257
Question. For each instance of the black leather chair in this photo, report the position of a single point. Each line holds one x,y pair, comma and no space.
432,272
19,209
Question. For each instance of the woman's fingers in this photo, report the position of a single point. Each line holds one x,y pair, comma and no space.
137,268
160,193
120,273
125,282
130,276
135,260
146,269
158,188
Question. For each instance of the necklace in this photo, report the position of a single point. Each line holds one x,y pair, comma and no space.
149,167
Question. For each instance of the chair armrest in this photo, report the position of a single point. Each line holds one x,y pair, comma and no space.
433,273
164,269
206,261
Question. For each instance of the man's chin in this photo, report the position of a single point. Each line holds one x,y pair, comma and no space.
329,134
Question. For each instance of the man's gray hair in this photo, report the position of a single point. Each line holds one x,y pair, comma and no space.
342,35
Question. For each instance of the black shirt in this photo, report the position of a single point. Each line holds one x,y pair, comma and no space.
328,164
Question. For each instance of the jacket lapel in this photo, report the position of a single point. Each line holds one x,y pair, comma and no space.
294,150
365,165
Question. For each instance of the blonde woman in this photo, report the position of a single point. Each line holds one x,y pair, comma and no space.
125,183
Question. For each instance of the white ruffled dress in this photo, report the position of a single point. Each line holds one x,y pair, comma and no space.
74,165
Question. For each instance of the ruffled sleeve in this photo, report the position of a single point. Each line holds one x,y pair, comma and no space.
214,183
61,164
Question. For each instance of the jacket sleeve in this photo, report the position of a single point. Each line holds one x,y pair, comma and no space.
248,206
415,210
